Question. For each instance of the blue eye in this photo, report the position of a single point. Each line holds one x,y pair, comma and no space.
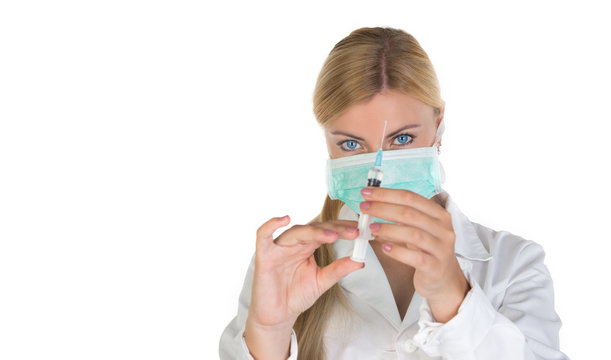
403,139
350,145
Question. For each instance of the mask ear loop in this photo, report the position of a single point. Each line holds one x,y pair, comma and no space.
440,129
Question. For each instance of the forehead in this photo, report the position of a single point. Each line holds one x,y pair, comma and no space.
398,108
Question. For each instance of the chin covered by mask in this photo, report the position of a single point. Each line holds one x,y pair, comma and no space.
414,169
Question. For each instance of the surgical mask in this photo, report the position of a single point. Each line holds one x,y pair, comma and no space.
415,169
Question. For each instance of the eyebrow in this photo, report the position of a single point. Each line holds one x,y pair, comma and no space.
388,136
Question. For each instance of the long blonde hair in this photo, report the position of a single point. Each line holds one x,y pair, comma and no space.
360,66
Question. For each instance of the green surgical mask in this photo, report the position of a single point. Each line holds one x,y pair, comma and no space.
415,169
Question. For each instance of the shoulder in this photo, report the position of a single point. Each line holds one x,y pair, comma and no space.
500,242
511,255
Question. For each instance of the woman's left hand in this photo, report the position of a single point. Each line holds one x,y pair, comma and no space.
423,239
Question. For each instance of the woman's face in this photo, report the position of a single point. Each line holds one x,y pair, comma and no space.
411,124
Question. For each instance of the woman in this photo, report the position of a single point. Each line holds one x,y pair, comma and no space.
435,284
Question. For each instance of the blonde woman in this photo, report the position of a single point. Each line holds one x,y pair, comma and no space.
435,285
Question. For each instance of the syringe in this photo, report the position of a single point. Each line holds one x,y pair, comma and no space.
374,178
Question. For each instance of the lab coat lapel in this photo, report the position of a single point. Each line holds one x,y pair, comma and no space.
369,283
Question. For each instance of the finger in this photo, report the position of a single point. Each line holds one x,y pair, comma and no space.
416,258
404,197
383,240
404,214
332,273
306,235
348,231
404,234
265,233
342,222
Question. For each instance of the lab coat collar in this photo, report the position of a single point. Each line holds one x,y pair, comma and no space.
468,244
370,283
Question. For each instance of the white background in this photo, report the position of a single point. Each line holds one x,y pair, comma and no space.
142,143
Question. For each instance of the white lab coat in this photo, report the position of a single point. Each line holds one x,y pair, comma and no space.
508,313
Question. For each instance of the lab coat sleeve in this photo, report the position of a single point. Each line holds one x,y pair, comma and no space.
525,326
232,345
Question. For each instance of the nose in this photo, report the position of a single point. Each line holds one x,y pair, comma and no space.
380,142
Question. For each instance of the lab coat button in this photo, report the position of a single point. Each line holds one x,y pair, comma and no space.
410,346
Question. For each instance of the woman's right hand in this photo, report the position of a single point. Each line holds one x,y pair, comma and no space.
287,280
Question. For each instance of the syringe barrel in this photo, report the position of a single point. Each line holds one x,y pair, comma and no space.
374,178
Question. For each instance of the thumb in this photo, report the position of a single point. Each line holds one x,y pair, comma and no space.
333,272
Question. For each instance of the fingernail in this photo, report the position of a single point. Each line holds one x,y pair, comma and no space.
386,247
351,229
329,232
365,205
366,191
374,227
